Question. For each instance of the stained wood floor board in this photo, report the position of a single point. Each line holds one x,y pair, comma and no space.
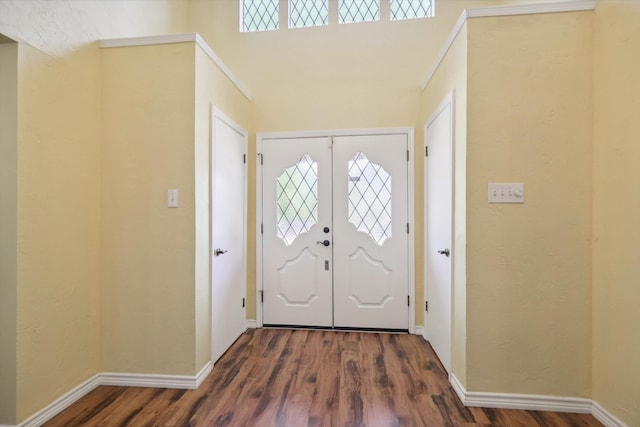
281,377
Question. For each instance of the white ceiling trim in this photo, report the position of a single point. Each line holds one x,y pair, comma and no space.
178,38
508,10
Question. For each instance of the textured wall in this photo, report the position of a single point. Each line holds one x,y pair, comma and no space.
8,227
616,230
58,175
148,250
452,76
530,118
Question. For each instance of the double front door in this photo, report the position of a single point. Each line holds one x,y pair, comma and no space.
335,231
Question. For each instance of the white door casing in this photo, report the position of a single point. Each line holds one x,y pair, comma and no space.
228,251
438,253
383,263
371,287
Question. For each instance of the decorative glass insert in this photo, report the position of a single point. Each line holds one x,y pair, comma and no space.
297,199
259,15
308,13
369,198
358,11
411,9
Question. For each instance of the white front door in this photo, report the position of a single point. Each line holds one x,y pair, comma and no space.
335,231
438,231
228,236
295,210
370,231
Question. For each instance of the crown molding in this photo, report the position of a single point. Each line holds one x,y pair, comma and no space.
177,38
508,10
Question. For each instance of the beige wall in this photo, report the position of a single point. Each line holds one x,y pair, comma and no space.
58,178
148,249
452,76
8,227
530,115
616,229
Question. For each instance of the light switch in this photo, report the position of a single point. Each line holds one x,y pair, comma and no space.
506,192
172,198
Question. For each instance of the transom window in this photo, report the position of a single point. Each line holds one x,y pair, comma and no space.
259,15
358,11
264,15
411,9
308,13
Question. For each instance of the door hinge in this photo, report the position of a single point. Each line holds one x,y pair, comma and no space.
408,301
407,155
407,228
244,158
261,158
261,228
426,306
261,295
243,302
426,151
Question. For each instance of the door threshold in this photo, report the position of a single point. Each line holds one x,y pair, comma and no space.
337,328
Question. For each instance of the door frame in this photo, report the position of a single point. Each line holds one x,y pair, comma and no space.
449,100
217,113
409,132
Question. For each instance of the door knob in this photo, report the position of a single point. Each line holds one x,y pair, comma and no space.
323,242
444,252
219,252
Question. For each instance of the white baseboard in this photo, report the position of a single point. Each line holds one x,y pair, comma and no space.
532,402
61,403
251,324
605,417
116,379
420,330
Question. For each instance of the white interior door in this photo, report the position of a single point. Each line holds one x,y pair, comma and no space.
438,231
296,208
370,231
335,231
228,234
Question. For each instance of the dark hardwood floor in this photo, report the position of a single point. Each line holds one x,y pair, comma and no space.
279,377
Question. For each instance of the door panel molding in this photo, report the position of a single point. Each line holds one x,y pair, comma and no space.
409,132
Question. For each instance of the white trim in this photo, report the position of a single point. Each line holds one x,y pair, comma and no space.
115,379
251,324
177,38
203,374
605,417
532,402
62,403
507,10
409,132
156,380
419,331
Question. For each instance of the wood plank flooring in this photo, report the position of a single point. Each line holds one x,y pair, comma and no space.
279,377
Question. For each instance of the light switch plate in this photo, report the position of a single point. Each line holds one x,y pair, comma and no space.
506,192
172,198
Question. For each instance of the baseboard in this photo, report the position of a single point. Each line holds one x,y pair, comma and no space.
61,403
156,381
605,417
251,324
115,379
532,402
420,330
